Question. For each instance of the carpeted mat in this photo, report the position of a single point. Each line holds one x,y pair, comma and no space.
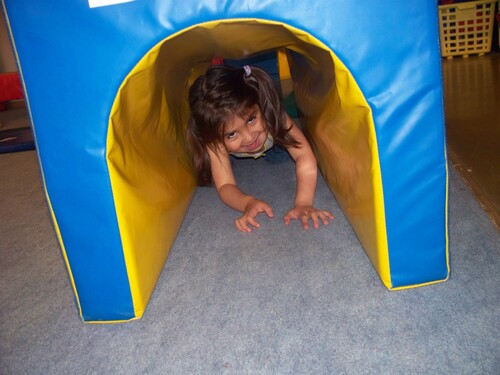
13,140
281,300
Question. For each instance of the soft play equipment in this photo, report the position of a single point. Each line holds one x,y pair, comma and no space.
10,87
106,88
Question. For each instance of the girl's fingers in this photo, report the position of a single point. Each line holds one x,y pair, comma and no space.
269,211
247,221
325,215
262,208
314,217
305,221
325,220
251,220
244,222
242,225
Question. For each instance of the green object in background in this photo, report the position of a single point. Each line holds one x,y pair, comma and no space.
291,106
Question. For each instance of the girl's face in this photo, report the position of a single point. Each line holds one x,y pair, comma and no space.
246,134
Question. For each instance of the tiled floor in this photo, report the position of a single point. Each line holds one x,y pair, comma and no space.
472,113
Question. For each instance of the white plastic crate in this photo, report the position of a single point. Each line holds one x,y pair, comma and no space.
466,28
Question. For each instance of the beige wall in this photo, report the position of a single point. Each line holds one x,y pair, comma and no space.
7,60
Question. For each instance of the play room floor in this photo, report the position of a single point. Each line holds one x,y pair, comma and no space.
472,114
14,118
472,107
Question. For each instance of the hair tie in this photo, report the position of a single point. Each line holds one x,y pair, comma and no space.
248,71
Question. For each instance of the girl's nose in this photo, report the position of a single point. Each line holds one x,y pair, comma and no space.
248,137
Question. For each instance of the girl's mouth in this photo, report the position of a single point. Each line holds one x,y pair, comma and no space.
254,146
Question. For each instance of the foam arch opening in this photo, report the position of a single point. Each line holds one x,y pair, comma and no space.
149,166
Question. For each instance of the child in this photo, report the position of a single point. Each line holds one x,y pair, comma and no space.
237,111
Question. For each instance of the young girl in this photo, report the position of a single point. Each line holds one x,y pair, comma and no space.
237,111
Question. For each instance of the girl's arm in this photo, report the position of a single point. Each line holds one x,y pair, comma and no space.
306,169
231,195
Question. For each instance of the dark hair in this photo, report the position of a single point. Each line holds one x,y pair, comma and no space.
223,92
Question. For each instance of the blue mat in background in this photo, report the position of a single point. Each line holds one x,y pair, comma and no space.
13,140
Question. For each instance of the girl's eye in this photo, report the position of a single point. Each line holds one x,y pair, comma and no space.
231,135
252,120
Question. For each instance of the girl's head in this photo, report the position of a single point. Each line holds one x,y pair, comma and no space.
226,98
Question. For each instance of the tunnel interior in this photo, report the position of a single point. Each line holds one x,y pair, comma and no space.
150,170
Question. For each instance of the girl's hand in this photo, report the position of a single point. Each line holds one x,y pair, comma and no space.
304,213
252,209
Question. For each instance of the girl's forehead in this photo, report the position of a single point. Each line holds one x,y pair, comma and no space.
234,119
243,113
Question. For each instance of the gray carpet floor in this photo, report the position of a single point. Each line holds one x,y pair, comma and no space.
278,301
